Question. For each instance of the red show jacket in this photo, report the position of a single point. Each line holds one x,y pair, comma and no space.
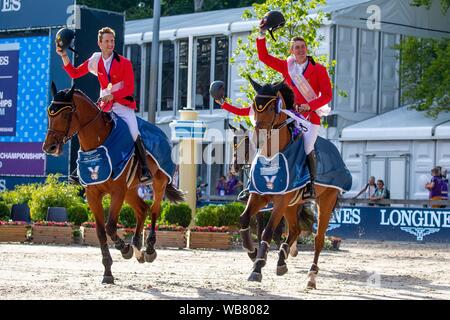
315,74
121,70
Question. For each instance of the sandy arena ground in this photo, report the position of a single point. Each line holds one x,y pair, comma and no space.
360,270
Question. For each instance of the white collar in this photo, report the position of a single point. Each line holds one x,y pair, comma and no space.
109,59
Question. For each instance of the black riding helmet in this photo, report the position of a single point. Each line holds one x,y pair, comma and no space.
217,90
274,20
64,38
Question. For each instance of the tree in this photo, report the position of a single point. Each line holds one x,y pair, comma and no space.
425,71
298,22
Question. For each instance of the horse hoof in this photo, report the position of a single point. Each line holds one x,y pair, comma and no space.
108,280
255,276
282,270
150,257
127,252
311,285
252,255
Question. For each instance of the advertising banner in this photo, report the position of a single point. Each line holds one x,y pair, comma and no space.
391,224
22,159
9,69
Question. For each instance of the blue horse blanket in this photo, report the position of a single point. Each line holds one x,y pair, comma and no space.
110,159
286,171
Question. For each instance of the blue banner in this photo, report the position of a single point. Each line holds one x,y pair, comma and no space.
9,69
391,224
26,14
31,93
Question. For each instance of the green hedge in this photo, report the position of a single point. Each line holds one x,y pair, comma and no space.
4,211
219,215
178,214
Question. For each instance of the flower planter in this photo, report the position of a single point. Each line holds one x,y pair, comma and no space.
13,232
209,240
169,239
52,234
89,236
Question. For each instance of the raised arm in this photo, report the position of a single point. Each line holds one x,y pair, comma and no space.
271,61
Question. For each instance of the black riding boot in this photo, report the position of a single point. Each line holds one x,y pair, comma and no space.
310,192
74,178
244,195
141,154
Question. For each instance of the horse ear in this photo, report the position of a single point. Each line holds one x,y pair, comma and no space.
277,86
70,93
54,91
254,84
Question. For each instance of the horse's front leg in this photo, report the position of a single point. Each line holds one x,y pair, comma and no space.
283,254
117,199
95,204
264,246
254,205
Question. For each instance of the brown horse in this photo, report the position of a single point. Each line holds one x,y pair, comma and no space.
270,122
72,112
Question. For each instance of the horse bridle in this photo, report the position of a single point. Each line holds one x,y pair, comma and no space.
73,109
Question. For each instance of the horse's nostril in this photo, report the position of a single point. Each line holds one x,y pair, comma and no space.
51,149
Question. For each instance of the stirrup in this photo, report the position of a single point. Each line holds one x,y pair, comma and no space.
74,179
145,179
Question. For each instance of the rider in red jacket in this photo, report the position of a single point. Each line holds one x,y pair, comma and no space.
315,93
116,78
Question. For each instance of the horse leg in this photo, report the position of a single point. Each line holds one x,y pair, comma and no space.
259,225
283,254
95,204
160,181
140,210
326,203
117,199
264,246
254,204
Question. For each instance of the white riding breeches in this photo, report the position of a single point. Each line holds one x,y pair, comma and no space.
310,137
129,117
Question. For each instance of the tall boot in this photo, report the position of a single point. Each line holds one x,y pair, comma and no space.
141,154
310,192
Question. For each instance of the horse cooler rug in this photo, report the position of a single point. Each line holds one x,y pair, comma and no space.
286,171
110,159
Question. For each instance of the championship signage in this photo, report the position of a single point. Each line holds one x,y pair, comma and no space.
9,66
22,159
391,224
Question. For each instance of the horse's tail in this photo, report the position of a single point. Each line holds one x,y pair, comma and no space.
174,195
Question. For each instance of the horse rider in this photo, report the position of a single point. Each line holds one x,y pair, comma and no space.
310,95
116,77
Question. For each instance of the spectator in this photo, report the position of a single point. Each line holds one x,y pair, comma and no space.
444,188
436,185
368,190
233,185
380,193
221,186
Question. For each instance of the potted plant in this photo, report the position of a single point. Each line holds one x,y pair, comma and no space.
209,237
13,231
52,232
89,234
168,235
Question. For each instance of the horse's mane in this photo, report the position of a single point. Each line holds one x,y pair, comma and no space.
288,95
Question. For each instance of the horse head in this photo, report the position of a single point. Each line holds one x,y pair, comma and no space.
60,113
270,99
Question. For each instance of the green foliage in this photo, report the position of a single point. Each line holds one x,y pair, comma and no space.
297,24
41,196
127,217
178,214
445,4
425,74
230,214
20,194
207,216
78,213
4,211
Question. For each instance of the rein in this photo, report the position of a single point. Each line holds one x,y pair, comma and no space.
73,110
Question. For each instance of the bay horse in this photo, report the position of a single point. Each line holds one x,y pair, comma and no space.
269,118
72,113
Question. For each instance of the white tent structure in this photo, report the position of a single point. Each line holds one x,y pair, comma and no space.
360,36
